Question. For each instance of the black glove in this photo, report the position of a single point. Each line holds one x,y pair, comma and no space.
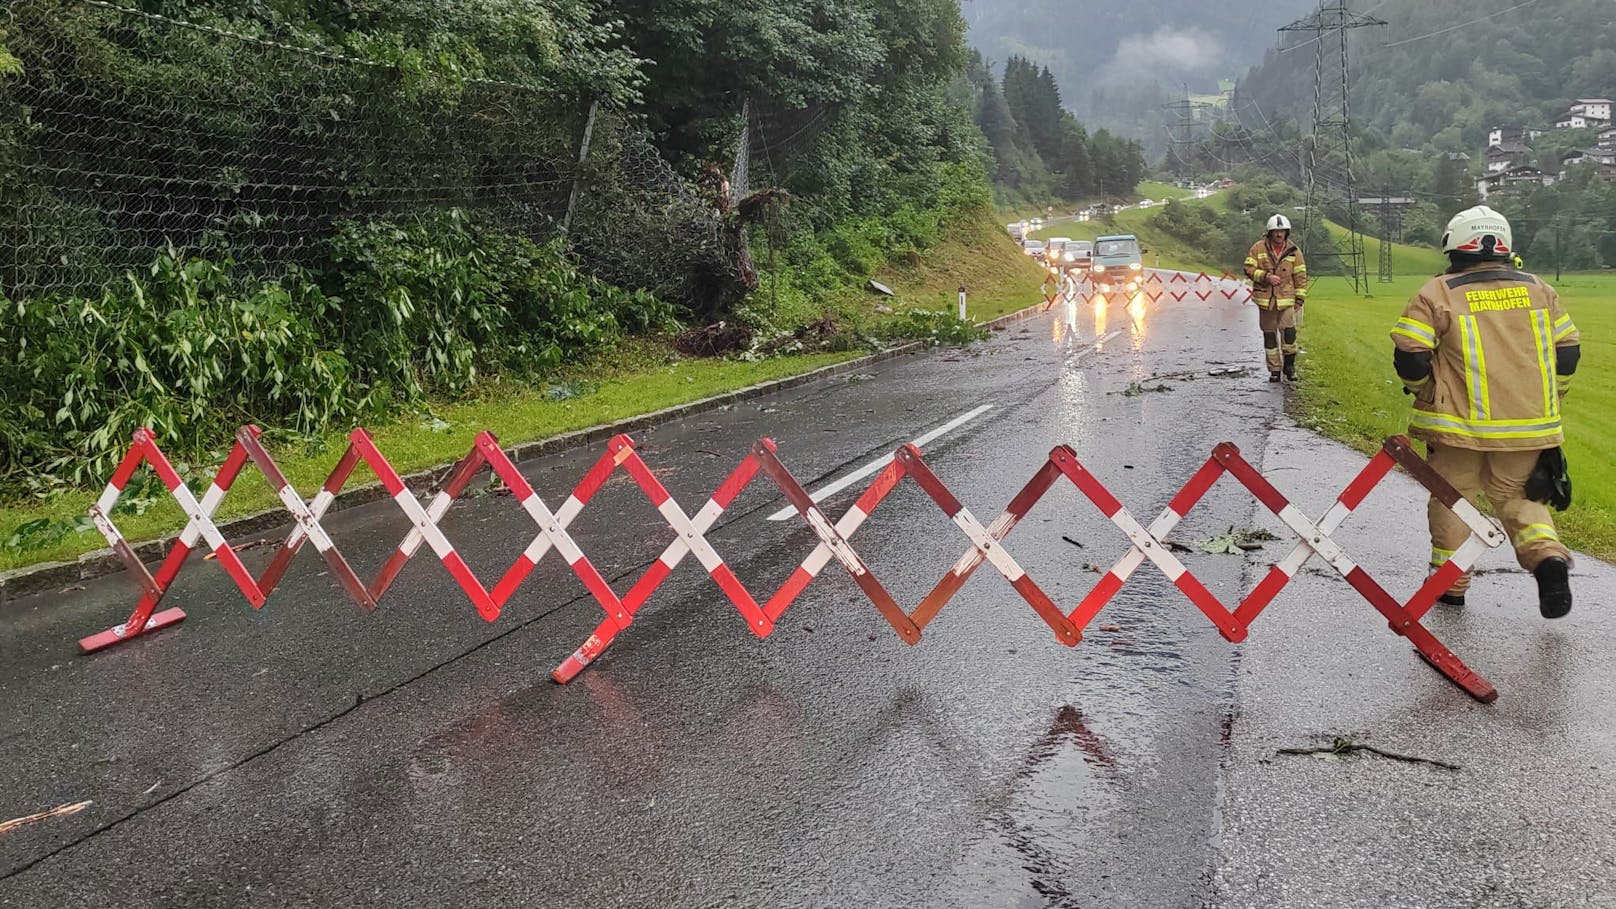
1550,482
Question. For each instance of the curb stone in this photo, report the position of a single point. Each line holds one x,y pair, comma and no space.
47,576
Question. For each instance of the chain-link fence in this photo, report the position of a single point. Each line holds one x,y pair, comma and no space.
123,132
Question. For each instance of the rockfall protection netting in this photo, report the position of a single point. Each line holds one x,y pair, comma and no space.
122,132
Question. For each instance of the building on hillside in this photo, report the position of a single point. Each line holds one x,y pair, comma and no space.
1607,137
1501,158
1585,156
1461,157
1572,119
1593,108
1512,135
1524,175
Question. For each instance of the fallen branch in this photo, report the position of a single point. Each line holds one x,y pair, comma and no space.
59,811
1347,746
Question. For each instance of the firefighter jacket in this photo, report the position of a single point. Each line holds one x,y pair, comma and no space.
1292,271
1500,350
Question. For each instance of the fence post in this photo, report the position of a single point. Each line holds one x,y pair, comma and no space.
583,155
962,303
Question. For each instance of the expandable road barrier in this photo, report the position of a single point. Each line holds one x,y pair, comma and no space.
986,542
1178,287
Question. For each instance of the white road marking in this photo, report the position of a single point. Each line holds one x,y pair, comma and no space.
1086,349
836,486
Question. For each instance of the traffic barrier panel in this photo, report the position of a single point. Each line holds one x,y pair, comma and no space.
986,542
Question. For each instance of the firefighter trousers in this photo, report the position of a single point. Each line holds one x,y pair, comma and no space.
1278,328
1502,476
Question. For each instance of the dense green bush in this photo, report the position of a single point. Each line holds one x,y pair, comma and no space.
426,305
187,348
194,344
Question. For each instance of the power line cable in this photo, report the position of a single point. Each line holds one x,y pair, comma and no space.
1456,27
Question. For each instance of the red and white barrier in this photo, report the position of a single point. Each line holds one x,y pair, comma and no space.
987,543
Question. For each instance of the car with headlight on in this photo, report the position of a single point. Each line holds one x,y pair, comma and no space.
1118,262
1034,248
1078,255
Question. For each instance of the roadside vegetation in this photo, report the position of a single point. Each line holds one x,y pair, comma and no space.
429,321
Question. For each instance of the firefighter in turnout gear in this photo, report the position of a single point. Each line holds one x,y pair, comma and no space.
1488,352
1278,275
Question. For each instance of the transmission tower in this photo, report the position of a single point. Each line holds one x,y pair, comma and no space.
1329,28
1385,239
1181,132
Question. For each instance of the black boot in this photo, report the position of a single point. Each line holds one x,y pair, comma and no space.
1290,367
1451,599
1273,374
1553,587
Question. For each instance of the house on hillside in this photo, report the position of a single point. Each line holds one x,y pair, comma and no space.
1607,137
1586,113
1585,156
1593,108
1501,158
1512,135
1524,175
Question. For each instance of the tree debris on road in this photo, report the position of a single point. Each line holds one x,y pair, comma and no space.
1343,745
58,811
1235,542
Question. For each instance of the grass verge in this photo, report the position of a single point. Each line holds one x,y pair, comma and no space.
1352,394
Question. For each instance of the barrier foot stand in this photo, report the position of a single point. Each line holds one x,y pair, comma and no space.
117,634
587,653
1425,643
145,618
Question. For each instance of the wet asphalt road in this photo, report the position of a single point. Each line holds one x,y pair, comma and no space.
308,754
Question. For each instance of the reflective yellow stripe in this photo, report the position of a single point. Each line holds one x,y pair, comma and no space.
1545,359
1251,262
1563,327
1533,533
1475,369
1417,330
1440,557
1484,429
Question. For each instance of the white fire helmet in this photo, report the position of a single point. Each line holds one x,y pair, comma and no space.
1279,222
1469,230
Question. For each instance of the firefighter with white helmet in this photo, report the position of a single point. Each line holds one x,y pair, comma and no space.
1278,275
1488,352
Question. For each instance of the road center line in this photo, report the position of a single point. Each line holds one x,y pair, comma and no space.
825,492
1084,351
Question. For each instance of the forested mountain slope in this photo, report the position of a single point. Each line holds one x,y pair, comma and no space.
1444,71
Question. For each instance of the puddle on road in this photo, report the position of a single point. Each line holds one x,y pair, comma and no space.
1029,851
